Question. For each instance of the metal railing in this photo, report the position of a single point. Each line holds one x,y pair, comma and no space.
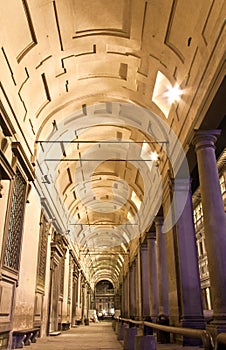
201,334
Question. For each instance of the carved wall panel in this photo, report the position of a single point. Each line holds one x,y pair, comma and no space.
6,298
41,271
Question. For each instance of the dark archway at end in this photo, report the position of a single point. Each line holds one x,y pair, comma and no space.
104,299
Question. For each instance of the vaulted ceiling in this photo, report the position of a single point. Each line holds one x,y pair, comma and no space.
87,85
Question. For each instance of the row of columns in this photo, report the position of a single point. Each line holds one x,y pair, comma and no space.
81,297
170,282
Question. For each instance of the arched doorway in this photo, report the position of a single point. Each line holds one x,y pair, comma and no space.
104,299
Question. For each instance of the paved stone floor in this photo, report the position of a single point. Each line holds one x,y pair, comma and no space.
96,336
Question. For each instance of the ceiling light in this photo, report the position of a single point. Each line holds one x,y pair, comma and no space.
154,156
164,94
174,94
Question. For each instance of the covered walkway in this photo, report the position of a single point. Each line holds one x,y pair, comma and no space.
96,336
112,172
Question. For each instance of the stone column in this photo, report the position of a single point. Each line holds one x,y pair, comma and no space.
83,297
123,297
135,286
131,291
138,286
191,298
152,275
144,281
172,250
85,293
126,296
74,297
78,308
161,268
214,222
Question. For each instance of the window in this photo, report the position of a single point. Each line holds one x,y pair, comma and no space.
62,267
208,297
43,241
201,248
198,215
13,242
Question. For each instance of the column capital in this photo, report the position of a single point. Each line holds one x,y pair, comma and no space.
159,220
205,138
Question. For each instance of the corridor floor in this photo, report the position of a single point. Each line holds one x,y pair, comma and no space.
96,336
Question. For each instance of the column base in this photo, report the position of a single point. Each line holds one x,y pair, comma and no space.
215,327
121,331
195,324
129,338
147,342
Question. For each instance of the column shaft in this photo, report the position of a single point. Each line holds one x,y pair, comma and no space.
144,281
138,286
161,268
127,296
78,303
152,275
191,299
132,296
